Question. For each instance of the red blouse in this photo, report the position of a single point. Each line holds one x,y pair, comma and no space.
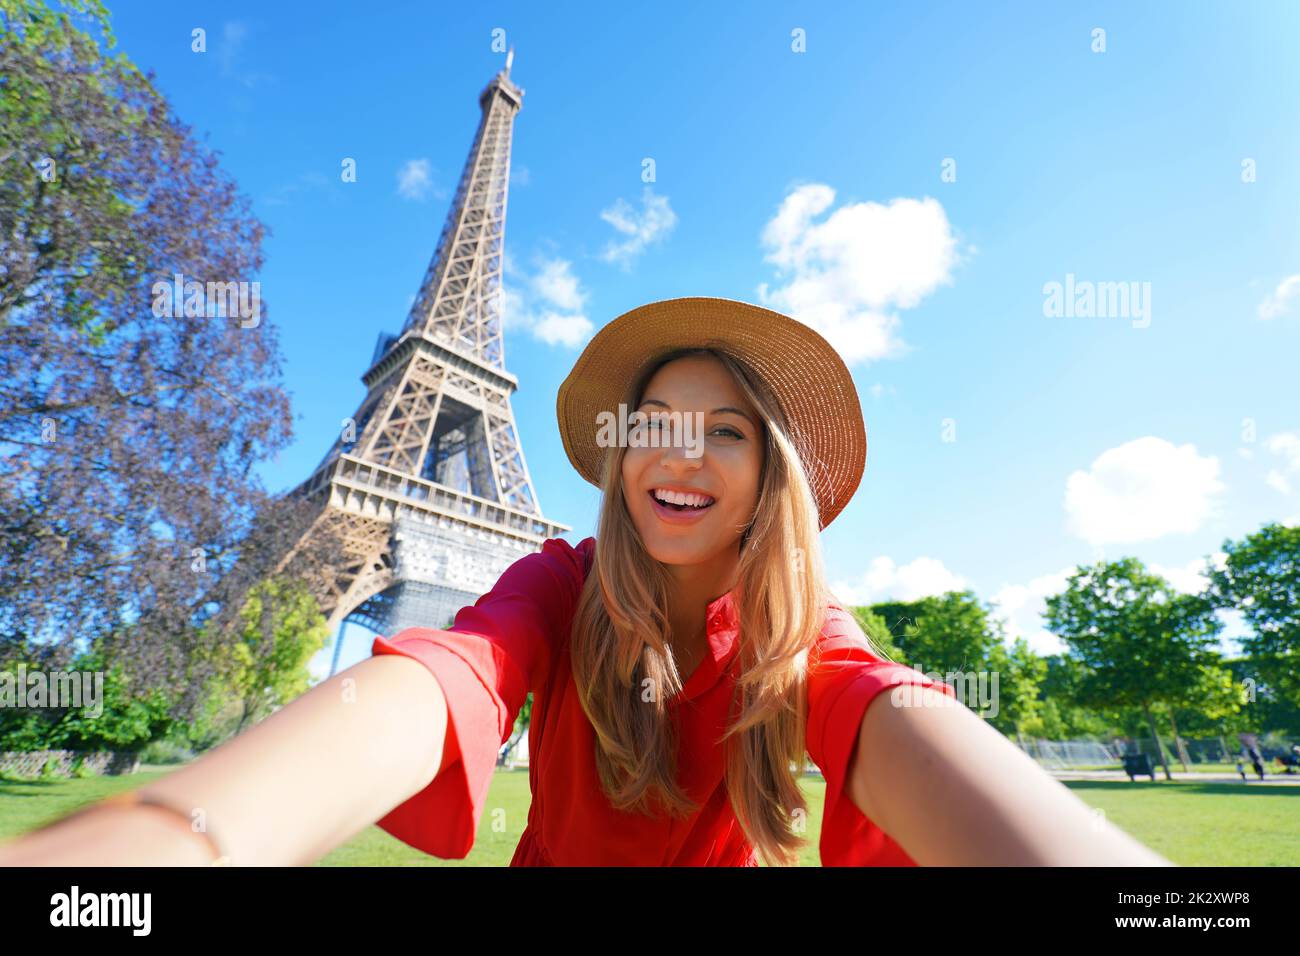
514,639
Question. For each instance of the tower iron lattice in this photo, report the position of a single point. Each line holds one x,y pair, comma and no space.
427,489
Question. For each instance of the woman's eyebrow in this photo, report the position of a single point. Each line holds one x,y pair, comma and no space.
716,411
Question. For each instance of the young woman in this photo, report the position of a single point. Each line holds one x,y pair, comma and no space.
681,662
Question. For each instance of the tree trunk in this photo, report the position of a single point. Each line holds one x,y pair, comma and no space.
243,717
1155,735
1178,742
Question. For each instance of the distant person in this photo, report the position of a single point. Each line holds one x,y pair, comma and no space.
1257,761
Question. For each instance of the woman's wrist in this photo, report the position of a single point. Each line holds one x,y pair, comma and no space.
112,833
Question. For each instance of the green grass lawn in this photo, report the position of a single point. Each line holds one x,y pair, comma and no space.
1191,823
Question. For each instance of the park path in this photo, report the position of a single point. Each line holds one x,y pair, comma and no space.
1275,779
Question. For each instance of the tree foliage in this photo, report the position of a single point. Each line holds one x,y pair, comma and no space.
1140,644
1261,578
947,632
127,720
281,629
128,505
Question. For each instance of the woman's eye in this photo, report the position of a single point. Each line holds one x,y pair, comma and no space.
658,421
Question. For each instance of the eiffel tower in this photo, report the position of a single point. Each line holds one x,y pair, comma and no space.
426,488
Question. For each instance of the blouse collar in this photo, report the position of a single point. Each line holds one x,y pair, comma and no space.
722,613
722,623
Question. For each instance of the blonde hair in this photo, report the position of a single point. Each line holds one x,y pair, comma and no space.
620,639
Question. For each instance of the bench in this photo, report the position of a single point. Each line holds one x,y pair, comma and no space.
1139,765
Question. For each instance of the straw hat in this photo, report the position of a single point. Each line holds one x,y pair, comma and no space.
810,380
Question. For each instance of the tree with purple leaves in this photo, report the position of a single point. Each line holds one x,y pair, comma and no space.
130,516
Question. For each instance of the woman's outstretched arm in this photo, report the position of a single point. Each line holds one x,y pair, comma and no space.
284,792
952,791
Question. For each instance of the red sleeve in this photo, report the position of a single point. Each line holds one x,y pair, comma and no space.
844,676
495,652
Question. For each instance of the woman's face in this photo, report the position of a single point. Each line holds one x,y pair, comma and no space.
722,459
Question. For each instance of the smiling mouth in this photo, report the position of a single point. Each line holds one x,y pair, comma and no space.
681,508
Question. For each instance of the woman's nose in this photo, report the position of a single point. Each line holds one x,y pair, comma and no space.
684,447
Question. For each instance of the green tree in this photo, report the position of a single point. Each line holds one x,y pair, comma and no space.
1140,644
1261,579
877,632
1020,673
948,632
1203,706
954,633
1262,709
1059,694
266,665
124,719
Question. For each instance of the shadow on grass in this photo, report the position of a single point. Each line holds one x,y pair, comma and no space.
1254,788
30,787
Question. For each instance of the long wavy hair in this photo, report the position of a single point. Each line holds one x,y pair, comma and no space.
621,630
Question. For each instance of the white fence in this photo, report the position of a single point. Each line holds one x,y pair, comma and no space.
1069,754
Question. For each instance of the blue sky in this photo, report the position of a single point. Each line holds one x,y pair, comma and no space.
910,182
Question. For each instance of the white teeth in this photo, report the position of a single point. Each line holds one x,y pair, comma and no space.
681,498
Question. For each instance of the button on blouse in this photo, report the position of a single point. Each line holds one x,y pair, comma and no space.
514,639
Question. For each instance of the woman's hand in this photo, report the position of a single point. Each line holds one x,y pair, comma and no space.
283,793
125,835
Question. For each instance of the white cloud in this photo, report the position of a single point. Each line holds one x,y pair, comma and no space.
557,285
550,303
884,580
1287,446
653,223
1191,578
1143,489
1281,300
514,311
555,328
1021,607
415,180
849,275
